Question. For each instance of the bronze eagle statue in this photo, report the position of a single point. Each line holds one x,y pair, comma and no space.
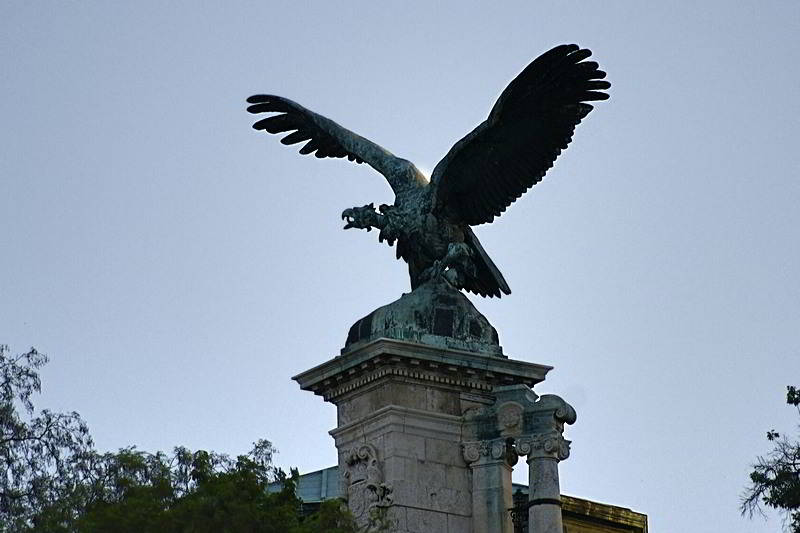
532,121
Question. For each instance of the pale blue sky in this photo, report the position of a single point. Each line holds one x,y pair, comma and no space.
179,267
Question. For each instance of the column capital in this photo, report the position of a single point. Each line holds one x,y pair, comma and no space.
552,445
488,451
563,413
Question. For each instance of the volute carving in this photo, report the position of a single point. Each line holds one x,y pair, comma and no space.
489,450
553,445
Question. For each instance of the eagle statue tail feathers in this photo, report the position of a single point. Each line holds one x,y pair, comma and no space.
488,281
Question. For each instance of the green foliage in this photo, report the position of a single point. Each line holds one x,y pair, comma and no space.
793,396
775,479
202,492
332,517
198,492
43,456
55,482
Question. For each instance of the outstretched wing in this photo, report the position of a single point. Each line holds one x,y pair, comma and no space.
528,127
325,138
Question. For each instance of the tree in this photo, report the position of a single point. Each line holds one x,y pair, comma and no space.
775,479
185,491
54,481
43,456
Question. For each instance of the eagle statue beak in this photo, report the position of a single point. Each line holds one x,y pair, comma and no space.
360,217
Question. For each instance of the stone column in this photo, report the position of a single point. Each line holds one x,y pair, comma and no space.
544,492
491,463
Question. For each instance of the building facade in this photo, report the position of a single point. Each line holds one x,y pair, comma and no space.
579,515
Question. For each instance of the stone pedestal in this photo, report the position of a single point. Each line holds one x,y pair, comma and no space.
423,443
432,417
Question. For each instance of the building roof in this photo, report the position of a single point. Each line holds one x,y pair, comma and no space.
315,487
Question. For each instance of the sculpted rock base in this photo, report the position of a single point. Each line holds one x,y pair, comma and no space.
435,314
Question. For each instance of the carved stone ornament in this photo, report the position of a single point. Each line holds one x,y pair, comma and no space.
563,413
553,445
362,482
509,416
488,450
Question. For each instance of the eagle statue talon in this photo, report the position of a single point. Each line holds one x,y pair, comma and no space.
530,124
454,268
434,272
454,278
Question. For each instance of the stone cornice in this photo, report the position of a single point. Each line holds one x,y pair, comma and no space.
610,514
387,357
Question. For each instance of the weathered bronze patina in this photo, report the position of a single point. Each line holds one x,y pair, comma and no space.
482,174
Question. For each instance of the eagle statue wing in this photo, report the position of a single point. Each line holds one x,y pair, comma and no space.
528,127
326,138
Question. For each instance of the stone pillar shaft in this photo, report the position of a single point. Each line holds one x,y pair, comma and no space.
491,496
544,495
